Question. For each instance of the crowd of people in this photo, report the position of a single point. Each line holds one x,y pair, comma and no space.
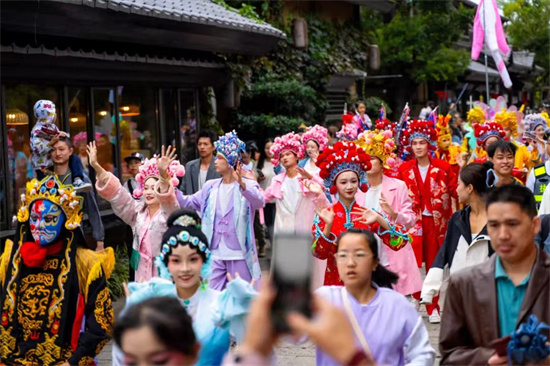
379,200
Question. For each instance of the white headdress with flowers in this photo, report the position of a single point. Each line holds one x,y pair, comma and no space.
150,169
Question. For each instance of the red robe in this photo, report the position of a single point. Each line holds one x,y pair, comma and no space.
324,249
435,194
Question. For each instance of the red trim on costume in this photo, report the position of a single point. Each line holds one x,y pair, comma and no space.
77,325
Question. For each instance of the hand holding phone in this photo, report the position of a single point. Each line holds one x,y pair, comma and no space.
291,273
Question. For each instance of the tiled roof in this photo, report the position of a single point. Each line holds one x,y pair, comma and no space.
190,11
43,50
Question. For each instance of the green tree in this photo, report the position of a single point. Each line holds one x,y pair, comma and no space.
528,28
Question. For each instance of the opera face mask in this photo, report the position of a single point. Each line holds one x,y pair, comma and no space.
46,220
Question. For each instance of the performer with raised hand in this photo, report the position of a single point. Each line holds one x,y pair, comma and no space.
157,181
227,206
343,168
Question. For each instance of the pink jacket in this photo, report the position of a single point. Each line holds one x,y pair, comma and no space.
274,191
147,231
397,194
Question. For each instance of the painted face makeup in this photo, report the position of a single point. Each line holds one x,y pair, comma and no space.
46,220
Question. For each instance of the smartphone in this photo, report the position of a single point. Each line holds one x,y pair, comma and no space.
291,274
500,345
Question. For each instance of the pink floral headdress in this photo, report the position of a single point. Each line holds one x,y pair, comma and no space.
82,137
149,169
317,133
289,142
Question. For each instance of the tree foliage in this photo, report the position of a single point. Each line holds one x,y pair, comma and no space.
528,27
422,46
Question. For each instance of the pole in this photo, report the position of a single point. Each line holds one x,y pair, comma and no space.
485,53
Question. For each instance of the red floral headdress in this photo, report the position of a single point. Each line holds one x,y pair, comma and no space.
419,129
343,157
488,129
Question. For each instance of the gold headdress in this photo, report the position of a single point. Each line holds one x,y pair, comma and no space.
477,115
508,119
379,144
442,127
51,189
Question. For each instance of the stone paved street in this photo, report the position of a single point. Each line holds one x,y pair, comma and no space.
289,354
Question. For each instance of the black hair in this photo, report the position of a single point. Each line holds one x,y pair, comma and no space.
479,176
66,140
358,103
514,193
168,320
430,104
381,276
251,147
208,134
175,229
263,155
502,146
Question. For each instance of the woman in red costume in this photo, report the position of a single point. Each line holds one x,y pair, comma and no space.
343,169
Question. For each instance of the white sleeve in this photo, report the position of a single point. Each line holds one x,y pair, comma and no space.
545,204
418,350
530,183
432,284
382,256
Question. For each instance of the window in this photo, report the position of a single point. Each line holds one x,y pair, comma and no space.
78,113
138,124
20,120
189,125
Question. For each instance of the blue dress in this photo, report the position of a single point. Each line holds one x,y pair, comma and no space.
217,315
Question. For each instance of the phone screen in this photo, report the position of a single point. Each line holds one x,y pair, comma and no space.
291,272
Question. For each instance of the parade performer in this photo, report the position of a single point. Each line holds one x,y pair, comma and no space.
184,267
536,127
315,140
157,181
44,134
466,242
55,304
486,134
227,206
475,115
390,196
432,185
297,194
446,150
343,169
361,119
509,120
349,130
384,124
384,322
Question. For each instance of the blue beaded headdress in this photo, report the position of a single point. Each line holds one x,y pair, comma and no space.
230,147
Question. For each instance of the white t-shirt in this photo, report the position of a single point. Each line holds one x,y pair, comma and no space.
313,170
291,191
372,198
423,173
202,178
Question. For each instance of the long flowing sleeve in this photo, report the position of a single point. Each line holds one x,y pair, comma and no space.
192,201
418,350
269,196
405,215
168,201
122,203
233,305
322,248
94,216
395,238
253,194
98,325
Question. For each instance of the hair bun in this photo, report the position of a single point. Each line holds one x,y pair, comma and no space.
184,217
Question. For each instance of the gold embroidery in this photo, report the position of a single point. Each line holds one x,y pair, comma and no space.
48,352
85,361
100,346
7,341
33,302
51,264
59,293
104,311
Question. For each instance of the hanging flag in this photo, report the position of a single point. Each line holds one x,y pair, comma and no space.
488,28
